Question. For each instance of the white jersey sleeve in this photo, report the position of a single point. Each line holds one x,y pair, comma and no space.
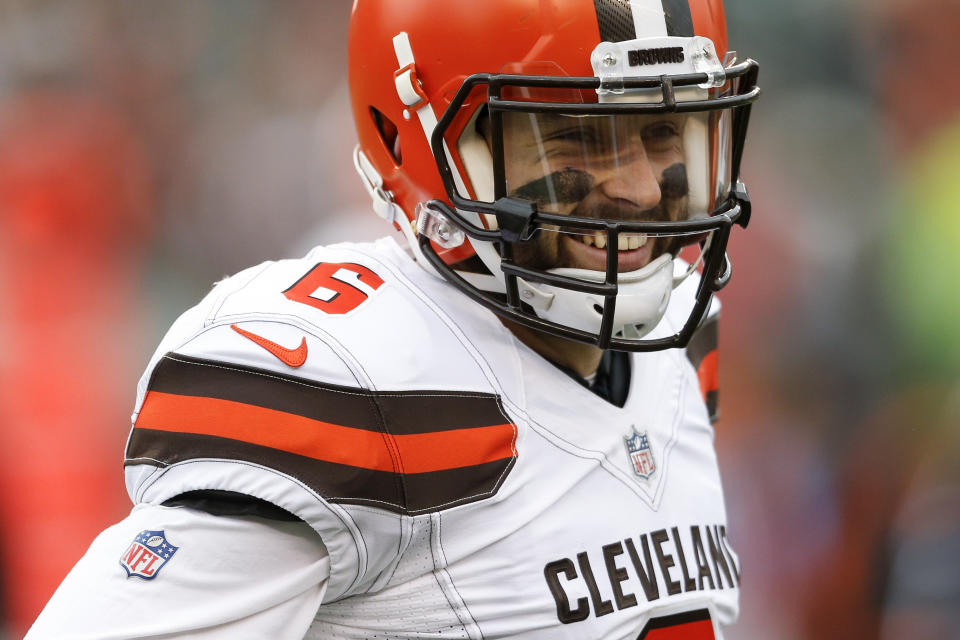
269,578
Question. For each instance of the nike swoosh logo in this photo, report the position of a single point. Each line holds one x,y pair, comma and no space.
290,357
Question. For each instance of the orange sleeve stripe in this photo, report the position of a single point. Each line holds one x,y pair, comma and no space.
419,453
707,373
423,452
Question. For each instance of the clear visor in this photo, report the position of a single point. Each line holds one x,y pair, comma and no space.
657,167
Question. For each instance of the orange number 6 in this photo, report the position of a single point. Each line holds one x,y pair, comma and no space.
335,288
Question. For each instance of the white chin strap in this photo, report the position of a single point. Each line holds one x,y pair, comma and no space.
642,299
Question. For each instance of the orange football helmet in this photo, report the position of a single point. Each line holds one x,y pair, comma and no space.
552,159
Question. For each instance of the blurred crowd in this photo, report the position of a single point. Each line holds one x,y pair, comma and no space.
149,149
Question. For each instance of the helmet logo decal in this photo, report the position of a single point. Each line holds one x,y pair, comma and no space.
663,55
640,454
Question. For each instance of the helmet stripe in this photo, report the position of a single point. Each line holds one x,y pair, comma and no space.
648,18
678,19
615,18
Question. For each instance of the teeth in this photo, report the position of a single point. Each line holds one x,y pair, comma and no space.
636,241
625,242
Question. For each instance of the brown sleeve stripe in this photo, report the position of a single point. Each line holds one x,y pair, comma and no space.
403,450
702,353
410,493
405,412
704,341
416,453
713,409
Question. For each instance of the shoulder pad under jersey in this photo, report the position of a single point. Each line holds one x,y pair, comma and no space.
327,386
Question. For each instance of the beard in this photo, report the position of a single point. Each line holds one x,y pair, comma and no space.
546,249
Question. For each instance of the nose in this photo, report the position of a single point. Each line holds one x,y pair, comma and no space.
633,180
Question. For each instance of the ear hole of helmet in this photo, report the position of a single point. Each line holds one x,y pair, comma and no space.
389,135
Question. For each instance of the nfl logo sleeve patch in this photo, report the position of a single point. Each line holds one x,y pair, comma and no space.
147,554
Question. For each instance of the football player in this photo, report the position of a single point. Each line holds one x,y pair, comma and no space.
501,431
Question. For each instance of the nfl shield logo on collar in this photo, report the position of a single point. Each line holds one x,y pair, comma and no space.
641,456
147,554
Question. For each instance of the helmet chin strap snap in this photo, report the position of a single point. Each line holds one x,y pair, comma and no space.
385,207
537,297
383,204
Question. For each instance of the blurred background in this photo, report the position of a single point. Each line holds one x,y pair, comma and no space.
147,150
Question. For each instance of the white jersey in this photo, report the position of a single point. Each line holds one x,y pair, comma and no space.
461,485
